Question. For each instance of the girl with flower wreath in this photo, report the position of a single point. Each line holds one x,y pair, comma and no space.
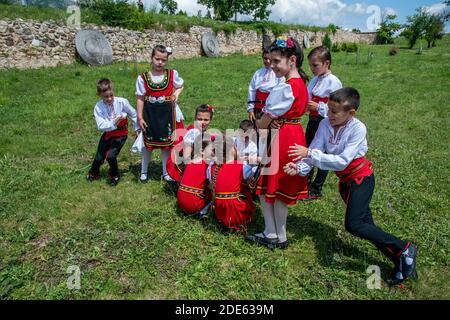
285,105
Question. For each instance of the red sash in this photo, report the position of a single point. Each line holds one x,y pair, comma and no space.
122,130
356,170
260,99
317,99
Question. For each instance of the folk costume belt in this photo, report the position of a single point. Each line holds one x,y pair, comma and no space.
196,191
289,120
160,99
229,195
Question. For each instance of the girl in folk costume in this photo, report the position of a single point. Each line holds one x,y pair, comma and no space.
285,105
159,115
262,83
203,116
340,145
111,117
319,89
193,195
233,203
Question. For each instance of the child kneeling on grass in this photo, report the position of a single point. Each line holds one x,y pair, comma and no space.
111,117
340,145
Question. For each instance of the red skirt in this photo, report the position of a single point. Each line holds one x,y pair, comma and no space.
191,203
281,186
235,213
178,125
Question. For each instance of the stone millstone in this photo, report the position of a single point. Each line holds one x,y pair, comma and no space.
93,47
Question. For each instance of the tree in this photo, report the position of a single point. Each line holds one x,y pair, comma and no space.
226,9
168,6
415,28
426,25
434,29
327,41
387,29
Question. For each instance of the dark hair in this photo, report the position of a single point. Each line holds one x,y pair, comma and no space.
347,97
204,108
204,139
104,85
246,125
162,49
322,53
297,51
265,50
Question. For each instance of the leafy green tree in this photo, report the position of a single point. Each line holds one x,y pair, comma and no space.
415,28
168,6
226,9
387,29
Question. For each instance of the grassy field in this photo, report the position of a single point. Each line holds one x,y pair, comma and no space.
131,242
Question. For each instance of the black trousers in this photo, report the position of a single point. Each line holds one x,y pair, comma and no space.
314,184
108,149
359,221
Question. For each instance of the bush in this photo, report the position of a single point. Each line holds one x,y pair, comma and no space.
393,51
344,47
335,47
327,41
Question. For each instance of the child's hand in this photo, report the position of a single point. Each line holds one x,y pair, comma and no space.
275,124
251,116
291,169
142,124
298,152
175,97
313,106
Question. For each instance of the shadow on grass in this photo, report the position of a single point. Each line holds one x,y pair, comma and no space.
154,171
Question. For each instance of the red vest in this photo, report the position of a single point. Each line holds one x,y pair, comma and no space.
164,88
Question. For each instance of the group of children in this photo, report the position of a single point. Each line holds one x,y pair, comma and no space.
223,172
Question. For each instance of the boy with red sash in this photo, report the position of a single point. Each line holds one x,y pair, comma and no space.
340,145
111,117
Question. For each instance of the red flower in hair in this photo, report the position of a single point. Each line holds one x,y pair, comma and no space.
211,108
290,43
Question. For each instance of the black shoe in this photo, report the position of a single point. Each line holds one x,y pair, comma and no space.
90,177
261,239
314,194
114,181
408,262
282,245
203,215
396,277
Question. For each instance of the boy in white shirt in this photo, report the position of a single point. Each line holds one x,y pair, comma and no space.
111,117
340,145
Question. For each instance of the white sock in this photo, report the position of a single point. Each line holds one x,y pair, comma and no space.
281,213
145,160
270,230
164,157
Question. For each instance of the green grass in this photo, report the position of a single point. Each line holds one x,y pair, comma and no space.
130,241
147,20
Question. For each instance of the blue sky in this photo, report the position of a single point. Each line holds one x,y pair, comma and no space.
348,14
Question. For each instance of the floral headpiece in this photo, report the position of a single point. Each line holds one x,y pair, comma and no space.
285,42
211,108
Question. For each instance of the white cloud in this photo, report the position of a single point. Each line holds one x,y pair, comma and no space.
436,8
316,12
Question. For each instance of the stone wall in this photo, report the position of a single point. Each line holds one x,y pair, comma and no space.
28,44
